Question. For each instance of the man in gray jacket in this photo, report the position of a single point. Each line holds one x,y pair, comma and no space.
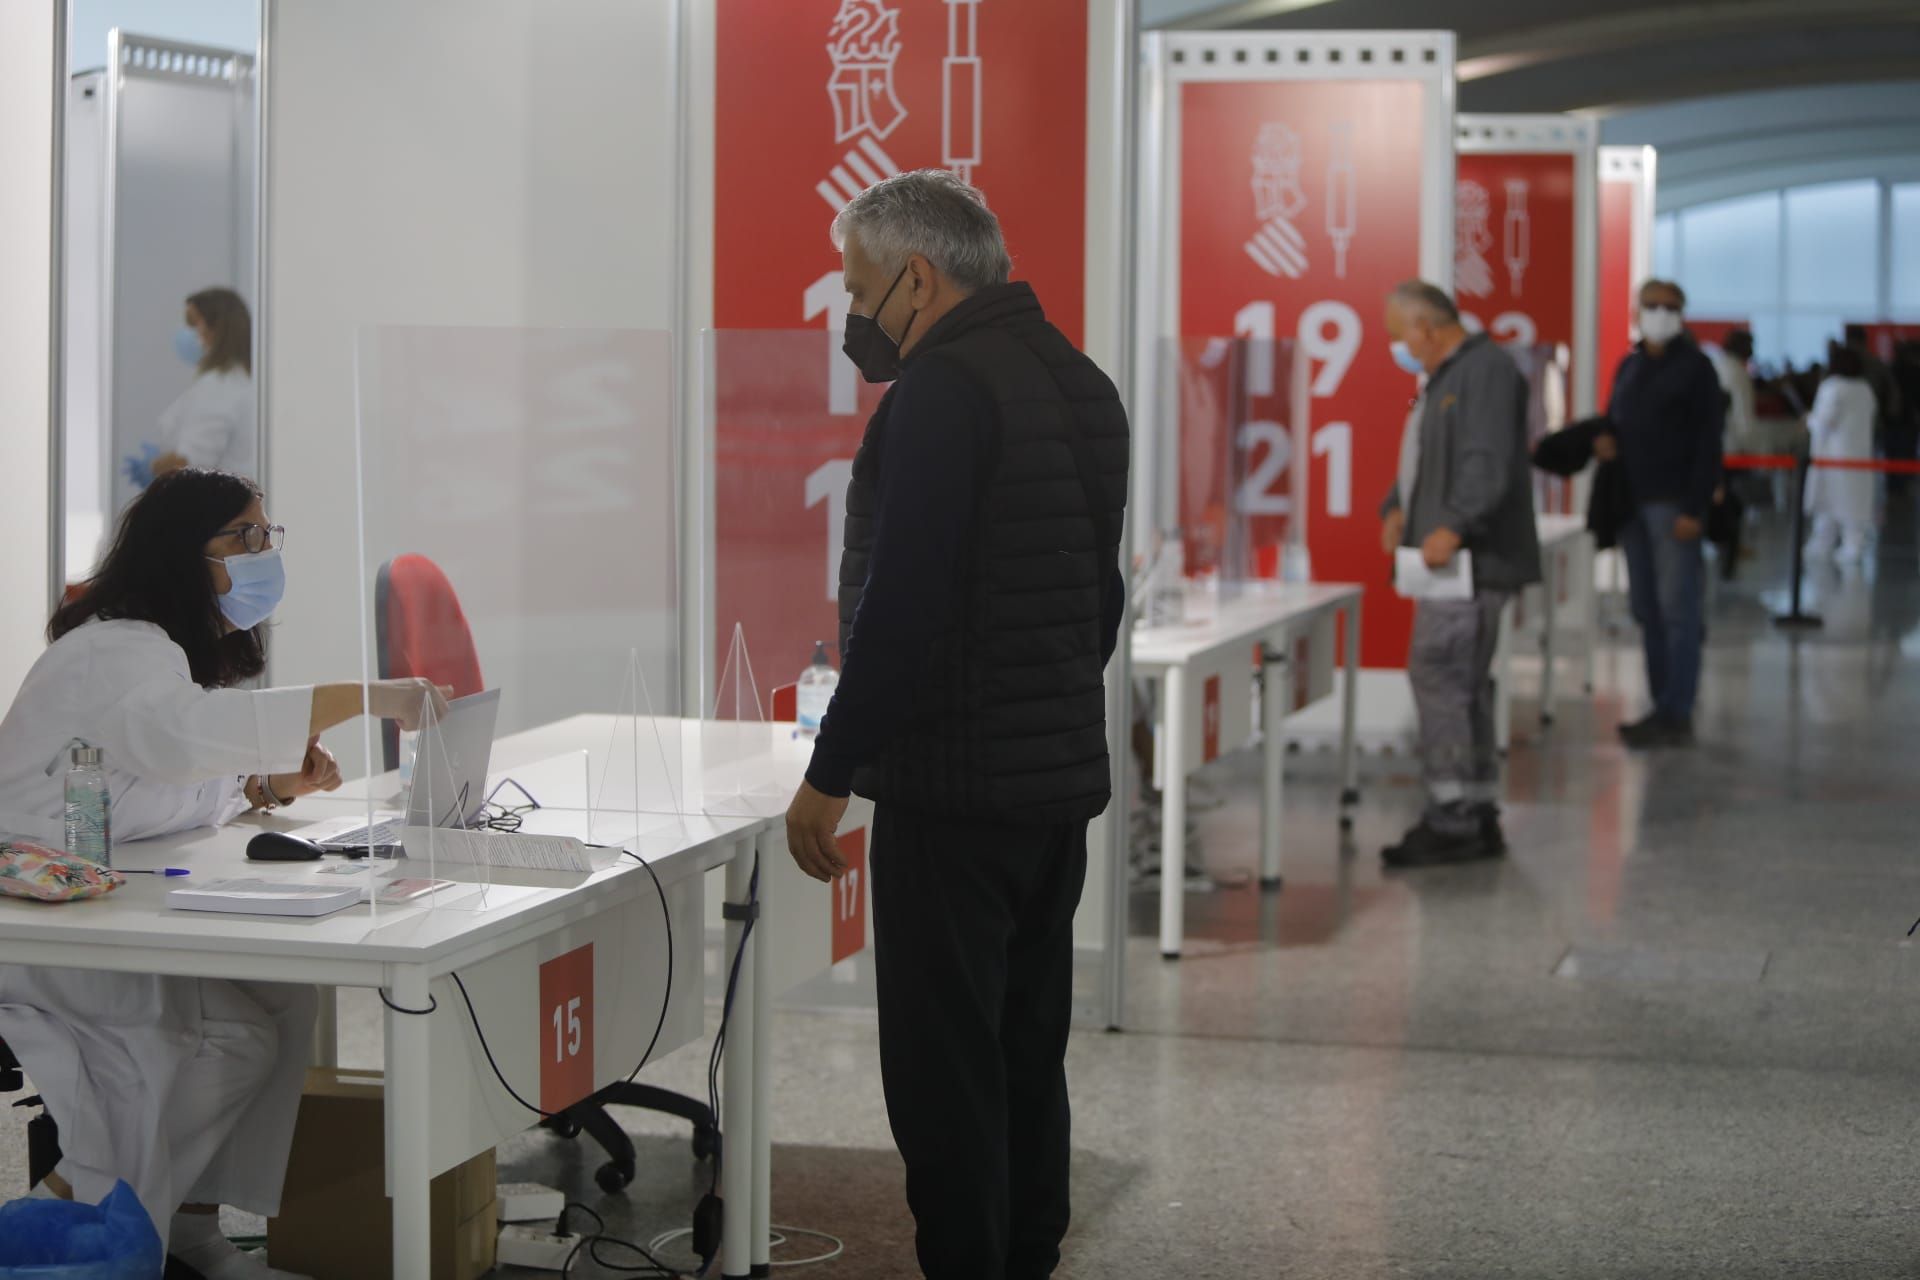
1463,485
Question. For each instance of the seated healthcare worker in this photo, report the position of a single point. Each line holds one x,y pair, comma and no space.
186,1088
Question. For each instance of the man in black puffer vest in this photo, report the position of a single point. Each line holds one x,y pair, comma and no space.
980,599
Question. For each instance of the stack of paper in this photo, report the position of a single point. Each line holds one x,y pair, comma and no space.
1413,580
266,897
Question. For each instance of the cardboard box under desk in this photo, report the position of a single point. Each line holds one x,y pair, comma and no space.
336,1222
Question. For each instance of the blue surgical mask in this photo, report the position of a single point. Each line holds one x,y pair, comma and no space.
186,345
1404,357
259,584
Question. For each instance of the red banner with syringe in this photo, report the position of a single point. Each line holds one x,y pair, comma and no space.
816,100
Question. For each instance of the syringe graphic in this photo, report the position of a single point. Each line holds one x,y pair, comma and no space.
1342,217
1519,228
960,131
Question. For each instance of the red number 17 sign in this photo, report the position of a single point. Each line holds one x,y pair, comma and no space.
850,898
566,1029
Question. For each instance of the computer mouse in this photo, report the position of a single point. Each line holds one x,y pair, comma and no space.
278,846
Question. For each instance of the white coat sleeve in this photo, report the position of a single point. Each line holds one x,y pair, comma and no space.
169,729
144,809
1825,414
205,432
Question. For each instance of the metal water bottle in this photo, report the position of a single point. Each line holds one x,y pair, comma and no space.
89,807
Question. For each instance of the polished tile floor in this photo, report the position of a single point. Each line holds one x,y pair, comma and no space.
1669,1036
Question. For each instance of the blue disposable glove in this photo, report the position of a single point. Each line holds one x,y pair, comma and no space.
138,468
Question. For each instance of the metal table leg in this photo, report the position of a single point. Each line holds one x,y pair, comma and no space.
736,1105
1173,812
409,1128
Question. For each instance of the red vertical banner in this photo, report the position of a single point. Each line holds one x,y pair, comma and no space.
1619,214
1300,209
850,898
1513,260
566,1029
1515,225
816,100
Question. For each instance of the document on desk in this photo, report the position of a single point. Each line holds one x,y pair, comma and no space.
257,897
1413,580
497,849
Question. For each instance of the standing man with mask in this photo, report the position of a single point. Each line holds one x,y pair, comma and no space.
980,599
1667,414
1463,484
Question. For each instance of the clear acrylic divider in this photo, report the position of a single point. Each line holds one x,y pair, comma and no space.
1547,367
748,767
1229,429
787,412
517,538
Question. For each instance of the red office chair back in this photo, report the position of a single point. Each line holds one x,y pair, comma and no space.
422,631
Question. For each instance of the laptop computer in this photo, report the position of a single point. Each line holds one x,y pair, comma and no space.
449,784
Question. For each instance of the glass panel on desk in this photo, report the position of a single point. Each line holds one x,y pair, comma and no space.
1224,436
1547,368
516,543
787,412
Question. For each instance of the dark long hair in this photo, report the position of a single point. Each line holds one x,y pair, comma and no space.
230,326
157,572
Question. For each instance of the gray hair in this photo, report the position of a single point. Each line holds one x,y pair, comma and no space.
1418,295
933,213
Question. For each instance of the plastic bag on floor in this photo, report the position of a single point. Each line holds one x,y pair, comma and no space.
60,1240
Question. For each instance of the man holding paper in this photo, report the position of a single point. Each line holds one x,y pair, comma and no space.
1460,524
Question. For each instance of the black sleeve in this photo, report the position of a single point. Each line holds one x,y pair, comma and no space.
929,476
1706,420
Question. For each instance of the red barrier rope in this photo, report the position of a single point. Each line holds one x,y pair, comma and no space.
1778,462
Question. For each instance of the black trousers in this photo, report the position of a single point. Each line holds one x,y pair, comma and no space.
973,942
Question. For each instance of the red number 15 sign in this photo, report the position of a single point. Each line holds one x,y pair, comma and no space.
566,1029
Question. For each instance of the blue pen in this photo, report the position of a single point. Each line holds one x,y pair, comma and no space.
158,871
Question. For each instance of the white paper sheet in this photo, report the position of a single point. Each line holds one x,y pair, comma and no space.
497,849
1413,580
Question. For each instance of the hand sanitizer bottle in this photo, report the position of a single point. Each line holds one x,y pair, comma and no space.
815,693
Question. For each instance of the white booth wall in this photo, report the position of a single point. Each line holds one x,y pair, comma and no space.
442,162
27,86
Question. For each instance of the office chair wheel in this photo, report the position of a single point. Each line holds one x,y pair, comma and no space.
563,1125
612,1178
706,1143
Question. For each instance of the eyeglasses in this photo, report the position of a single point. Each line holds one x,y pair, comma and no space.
258,537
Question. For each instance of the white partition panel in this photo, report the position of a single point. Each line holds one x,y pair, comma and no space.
449,162
179,195
31,51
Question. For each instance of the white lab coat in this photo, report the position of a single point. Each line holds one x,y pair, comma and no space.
1738,434
215,424
1841,423
186,1088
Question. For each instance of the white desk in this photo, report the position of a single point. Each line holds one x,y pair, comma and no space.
1205,670
443,1104
1566,572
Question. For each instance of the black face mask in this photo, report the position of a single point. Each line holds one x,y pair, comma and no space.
873,353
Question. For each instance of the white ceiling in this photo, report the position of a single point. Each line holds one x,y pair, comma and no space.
1738,95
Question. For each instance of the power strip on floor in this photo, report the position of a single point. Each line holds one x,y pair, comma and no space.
536,1247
